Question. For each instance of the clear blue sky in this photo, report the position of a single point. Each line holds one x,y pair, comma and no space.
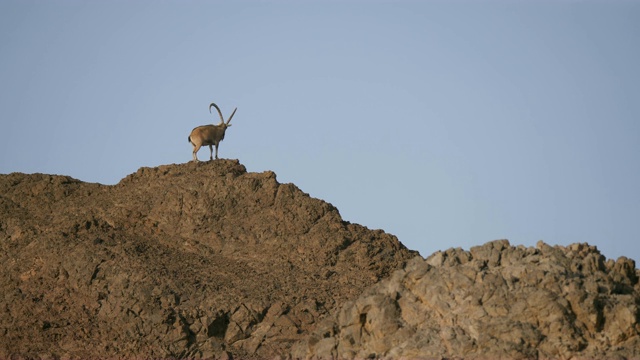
446,124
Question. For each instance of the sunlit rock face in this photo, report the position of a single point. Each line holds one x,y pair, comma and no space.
494,301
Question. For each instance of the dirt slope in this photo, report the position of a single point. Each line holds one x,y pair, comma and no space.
192,260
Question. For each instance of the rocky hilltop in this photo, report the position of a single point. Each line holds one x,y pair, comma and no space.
198,260
207,260
495,301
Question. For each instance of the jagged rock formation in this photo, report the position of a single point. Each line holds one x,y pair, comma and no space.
197,260
495,301
206,260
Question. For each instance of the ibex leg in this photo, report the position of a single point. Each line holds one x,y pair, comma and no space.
195,151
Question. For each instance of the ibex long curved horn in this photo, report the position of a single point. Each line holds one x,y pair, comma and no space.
219,112
233,113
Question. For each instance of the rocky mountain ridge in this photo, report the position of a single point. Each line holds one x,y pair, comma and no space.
194,260
495,301
207,260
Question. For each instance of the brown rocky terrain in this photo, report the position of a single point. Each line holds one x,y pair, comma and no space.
495,301
198,260
207,260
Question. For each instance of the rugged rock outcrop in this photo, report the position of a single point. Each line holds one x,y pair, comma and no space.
197,260
495,301
206,260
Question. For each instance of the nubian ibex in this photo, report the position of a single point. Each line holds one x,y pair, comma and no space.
209,134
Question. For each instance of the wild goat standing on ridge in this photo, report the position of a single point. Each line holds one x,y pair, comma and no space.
209,134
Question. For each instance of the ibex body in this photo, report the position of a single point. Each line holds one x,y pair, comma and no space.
208,135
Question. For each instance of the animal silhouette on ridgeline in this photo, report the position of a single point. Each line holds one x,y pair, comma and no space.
209,134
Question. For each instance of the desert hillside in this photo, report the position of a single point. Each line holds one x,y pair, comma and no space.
192,260
207,260
495,301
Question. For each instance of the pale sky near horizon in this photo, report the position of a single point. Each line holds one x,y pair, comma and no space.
447,124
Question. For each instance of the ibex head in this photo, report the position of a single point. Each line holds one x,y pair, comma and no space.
221,117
